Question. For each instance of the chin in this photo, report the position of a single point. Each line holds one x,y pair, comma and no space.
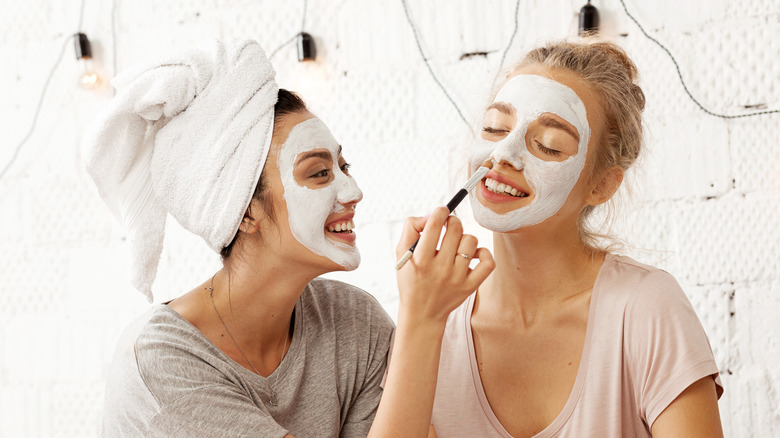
351,264
341,260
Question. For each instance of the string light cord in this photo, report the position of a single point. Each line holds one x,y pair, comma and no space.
283,45
43,96
113,39
303,20
427,64
37,108
435,78
292,38
511,39
682,81
81,16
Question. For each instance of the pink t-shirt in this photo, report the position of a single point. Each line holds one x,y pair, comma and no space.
643,346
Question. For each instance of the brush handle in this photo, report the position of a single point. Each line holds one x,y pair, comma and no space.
402,261
457,199
450,206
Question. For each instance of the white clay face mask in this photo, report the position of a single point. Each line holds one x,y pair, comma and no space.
550,181
308,209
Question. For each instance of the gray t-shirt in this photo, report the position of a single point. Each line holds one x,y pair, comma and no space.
169,380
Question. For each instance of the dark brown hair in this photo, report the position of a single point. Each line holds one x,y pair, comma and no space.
286,103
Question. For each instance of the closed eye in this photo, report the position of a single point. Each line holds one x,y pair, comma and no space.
546,150
490,130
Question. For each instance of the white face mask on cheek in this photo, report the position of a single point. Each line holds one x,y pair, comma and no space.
308,209
550,181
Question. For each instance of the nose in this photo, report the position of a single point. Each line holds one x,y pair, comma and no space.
348,193
518,164
511,151
350,204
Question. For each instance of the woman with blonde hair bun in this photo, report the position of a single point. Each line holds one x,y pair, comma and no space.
564,338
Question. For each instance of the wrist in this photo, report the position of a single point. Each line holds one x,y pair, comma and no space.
424,314
420,326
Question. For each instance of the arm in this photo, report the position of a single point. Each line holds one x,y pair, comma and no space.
431,285
694,413
675,374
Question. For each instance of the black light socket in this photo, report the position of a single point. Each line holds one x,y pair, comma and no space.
83,47
589,20
307,50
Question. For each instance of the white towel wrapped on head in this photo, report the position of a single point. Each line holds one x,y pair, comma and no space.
187,135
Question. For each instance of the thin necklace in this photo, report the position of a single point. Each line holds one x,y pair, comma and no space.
286,338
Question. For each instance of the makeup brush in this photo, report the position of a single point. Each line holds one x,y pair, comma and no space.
470,184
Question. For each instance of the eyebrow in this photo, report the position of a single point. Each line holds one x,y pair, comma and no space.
551,122
503,107
325,155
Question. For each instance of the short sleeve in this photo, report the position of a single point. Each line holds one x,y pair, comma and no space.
667,348
213,411
361,413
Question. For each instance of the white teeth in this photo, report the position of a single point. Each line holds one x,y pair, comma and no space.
497,187
341,226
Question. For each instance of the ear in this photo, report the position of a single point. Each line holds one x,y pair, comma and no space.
249,224
607,183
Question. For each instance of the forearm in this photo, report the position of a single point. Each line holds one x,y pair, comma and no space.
407,401
433,284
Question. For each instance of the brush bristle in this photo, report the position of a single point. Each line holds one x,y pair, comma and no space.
476,178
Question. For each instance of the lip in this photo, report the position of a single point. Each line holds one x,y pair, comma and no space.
340,218
348,238
500,198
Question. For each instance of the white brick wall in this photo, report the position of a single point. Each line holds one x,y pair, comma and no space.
706,204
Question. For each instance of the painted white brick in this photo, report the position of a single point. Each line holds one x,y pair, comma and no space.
74,408
756,161
31,350
689,158
25,410
756,322
706,207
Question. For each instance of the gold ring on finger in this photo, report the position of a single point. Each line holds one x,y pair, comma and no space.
465,256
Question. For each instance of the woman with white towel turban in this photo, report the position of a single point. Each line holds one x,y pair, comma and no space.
262,347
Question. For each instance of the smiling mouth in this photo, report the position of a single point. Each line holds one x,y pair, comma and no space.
344,227
503,189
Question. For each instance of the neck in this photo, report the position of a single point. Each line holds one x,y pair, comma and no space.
256,300
536,272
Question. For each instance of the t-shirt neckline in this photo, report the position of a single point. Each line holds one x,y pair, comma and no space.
296,347
579,381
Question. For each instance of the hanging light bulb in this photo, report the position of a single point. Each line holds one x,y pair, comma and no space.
589,20
88,78
307,50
